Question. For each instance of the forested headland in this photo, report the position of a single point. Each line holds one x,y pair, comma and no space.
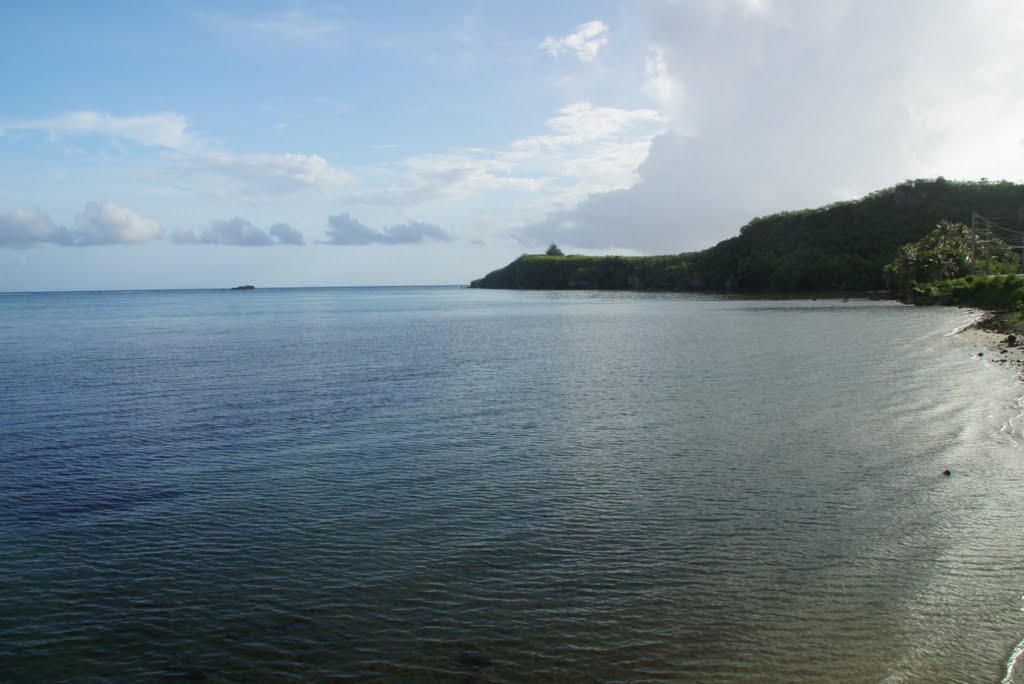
845,246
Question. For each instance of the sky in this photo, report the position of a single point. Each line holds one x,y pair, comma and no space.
188,143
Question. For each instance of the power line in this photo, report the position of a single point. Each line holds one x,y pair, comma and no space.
1015,239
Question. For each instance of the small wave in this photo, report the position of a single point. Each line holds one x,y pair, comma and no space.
1015,424
1013,663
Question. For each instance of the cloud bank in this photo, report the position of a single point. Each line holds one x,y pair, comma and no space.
239,232
103,223
343,229
28,227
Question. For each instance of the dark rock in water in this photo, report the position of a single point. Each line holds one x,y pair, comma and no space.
244,287
1011,341
946,473
981,353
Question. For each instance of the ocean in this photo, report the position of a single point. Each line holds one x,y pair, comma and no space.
409,484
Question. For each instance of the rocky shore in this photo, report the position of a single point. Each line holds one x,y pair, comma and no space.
994,342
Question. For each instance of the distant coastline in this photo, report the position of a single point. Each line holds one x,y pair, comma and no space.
840,247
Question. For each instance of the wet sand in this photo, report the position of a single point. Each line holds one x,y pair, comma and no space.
995,347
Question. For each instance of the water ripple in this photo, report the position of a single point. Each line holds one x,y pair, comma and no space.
449,485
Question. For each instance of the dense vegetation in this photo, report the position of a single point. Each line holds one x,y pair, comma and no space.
842,246
1002,295
578,272
945,254
937,270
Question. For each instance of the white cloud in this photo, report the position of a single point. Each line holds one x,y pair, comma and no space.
582,123
457,175
344,229
587,149
286,235
426,181
239,232
790,104
660,84
27,227
103,223
585,42
161,129
258,177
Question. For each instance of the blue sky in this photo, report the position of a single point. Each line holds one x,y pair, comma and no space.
207,144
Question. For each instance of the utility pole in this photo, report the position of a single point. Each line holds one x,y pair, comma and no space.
1012,237
988,250
1022,258
974,240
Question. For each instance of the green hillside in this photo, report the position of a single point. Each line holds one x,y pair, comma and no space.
842,246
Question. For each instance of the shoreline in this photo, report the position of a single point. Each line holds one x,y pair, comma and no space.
995,343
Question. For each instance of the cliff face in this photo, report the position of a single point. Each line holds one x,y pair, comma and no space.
842,246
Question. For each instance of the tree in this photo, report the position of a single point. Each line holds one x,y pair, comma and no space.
553,250
945,253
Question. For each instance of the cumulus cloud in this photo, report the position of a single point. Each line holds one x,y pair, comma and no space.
585,42
286,235
161,129
27,227
239,232
343,229
259,176
660,84
103,223
788,104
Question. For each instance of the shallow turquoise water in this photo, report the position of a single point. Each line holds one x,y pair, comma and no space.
435,483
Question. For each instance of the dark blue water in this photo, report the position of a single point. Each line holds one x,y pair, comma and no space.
443,484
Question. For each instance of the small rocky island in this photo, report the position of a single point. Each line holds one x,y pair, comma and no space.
244,287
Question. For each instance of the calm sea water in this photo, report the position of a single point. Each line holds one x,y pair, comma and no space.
442,484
